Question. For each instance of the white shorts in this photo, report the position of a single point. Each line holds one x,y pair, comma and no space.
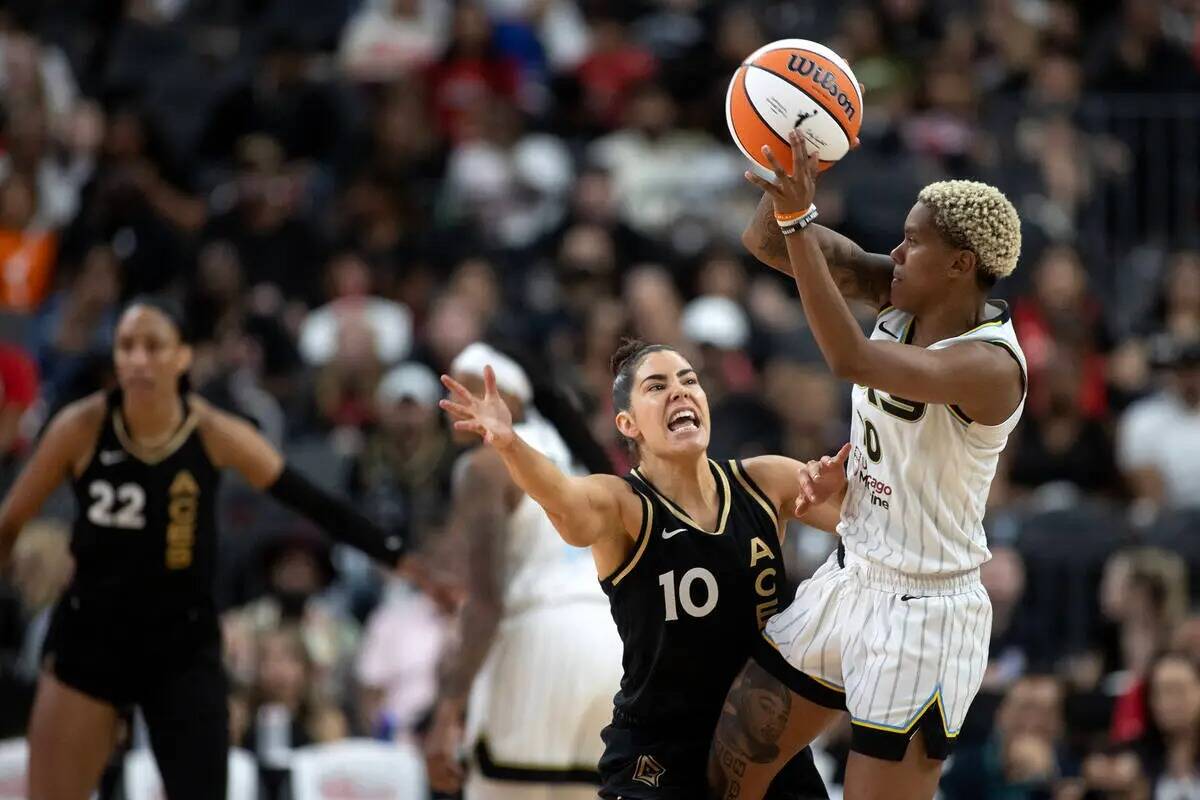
900,652
543,696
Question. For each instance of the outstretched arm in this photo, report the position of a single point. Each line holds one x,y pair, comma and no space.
234,443
584,510
982,379
859,275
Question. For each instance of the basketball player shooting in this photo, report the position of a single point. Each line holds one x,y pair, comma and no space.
895,626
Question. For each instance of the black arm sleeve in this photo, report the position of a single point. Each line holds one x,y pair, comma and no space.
340,520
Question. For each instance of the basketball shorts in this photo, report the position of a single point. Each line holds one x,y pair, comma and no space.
902,653
542,697
672,765
175,675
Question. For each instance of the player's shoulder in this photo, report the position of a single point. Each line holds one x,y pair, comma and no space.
81,417
772,475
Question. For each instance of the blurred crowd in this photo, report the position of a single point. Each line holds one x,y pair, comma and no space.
345,193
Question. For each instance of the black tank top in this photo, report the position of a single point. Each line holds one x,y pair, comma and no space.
689,603
145,535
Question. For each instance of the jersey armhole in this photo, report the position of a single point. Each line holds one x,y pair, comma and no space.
965,418
743,477
639,548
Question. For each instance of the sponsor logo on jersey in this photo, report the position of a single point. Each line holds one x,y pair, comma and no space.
666,534
648,771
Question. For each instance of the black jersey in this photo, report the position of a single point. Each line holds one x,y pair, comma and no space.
690,604
145,535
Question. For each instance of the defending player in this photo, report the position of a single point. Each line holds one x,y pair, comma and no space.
689,555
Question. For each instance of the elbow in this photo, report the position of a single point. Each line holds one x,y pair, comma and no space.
847,367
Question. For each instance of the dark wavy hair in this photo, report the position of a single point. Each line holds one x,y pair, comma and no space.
624,364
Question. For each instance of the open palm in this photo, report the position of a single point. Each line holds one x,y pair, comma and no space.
487,416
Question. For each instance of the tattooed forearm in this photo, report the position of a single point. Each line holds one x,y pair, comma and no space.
859,275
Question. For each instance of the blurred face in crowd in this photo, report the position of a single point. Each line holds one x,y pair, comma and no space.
1183,283
923,264
668,414
1175,696
406,418
1060,281
1003,576
1032,707
149,354
282,668
18,203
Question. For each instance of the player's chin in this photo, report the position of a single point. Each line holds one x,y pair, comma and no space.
687,442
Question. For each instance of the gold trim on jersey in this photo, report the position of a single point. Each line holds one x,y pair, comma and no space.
886,308
154,455
763,501
725,498
643,539
1001,318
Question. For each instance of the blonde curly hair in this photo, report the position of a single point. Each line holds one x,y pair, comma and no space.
977,217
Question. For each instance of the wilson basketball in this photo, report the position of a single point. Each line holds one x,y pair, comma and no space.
794,83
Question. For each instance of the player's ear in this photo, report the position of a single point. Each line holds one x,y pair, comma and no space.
964,264
627,426
184,358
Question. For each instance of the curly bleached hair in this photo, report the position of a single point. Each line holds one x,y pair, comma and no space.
977,217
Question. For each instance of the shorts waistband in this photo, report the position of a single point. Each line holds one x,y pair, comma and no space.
887,579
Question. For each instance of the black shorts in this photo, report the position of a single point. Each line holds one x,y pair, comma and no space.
175,675
637,766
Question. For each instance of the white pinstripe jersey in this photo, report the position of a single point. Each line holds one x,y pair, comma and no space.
537,567
919,474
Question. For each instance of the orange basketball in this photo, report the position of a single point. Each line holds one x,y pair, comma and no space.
794,83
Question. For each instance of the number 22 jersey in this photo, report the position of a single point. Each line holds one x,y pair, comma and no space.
145,536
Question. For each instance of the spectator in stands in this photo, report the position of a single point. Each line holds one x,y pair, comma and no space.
287,706
18,391
1059,445
1158,440
387,39
1170,747
1026,754
1061,313
27,251
298,569
471,72
1004,580
402,473
1144,593
76,323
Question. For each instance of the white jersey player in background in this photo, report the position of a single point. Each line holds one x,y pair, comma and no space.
538,658
895,626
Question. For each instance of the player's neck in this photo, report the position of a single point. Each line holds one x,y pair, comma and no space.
949,319
153,422
689,484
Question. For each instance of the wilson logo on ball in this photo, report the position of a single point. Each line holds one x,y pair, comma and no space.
805,67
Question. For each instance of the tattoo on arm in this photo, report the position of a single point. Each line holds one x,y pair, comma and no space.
482,517
752,723
859,275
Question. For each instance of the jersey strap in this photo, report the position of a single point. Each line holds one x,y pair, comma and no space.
639,548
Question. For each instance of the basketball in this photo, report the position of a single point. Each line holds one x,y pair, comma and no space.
794,83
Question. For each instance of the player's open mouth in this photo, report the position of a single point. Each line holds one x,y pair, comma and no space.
683,420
